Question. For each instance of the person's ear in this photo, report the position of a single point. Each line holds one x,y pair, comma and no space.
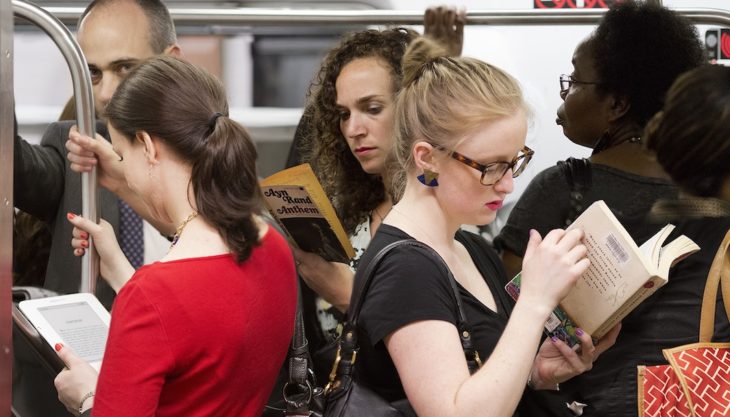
424,157
151,150
620,105
173,50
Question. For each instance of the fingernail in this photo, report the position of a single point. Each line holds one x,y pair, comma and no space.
84,235
70,215
532,232
85,244
579,332
58,347
554,339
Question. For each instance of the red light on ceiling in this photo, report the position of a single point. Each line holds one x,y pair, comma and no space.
725,44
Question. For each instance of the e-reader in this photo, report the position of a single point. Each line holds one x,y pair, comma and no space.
79,321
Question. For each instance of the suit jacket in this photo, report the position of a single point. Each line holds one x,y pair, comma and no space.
45,187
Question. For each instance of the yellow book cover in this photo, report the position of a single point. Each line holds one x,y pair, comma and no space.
296,200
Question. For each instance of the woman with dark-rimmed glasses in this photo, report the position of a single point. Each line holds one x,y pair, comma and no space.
621,73
620,76
460,127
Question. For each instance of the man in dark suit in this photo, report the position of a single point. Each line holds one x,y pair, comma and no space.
114,35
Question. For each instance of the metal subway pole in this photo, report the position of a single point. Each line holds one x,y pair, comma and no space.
6,206
85,119
242,17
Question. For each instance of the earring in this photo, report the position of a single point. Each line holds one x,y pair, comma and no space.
429,178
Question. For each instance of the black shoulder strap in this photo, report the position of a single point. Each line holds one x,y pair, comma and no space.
578,176
301,388
358,295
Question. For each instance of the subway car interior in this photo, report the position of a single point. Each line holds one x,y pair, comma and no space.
266,54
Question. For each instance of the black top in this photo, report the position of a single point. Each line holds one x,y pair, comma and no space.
410,285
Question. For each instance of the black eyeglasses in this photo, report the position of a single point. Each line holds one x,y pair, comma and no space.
494,171
567,81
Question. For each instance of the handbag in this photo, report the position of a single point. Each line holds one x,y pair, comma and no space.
345,396
696,382
301,397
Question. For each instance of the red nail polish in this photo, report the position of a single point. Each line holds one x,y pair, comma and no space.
58,347
70,215
85,244
84,235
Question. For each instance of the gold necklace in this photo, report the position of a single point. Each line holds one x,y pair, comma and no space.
180,228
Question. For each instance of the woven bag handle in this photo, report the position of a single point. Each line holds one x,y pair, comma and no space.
719,276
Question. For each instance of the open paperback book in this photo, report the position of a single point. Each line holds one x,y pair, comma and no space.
620,277
297,202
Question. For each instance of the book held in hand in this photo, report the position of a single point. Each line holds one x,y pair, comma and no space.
297,202
620,277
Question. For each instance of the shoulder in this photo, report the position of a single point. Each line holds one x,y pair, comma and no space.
411,256
410,284
607,173
408,264
274,238
56,133
544,185
135,298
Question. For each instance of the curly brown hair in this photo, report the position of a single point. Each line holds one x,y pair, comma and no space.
354,193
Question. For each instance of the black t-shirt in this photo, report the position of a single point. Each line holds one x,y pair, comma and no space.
411,285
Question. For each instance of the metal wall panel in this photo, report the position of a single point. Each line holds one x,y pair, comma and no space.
6,204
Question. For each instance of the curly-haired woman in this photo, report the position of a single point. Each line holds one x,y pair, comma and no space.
347,132
460,127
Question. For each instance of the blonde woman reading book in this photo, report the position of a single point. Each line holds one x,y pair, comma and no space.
460,139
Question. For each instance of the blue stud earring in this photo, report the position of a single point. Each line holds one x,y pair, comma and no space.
429,178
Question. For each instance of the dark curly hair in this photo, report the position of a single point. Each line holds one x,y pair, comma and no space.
691,136
639,50
354,192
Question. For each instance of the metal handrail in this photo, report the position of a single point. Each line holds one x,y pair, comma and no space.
274,17
85,118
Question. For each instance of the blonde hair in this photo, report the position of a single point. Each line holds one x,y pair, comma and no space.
443,99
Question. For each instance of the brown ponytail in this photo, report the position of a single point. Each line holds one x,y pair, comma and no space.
186,107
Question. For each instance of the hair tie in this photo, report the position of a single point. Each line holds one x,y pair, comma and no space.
211,122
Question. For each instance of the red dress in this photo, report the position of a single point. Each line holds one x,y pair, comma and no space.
200,336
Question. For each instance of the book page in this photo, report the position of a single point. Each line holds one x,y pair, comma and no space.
673,252
653,247
617,269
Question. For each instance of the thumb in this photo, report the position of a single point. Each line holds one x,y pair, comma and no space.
68,356
533,243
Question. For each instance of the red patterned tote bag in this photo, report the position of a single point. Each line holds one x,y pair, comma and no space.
696,383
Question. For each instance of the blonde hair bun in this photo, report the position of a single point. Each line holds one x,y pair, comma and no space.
421,52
